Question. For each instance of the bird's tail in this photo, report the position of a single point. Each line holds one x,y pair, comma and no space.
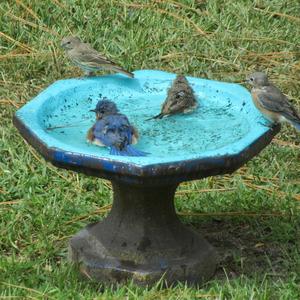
128,151
296,124
121,70
159,116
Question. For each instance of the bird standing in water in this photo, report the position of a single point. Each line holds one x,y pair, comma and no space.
180,99
272,103
87,58
113,130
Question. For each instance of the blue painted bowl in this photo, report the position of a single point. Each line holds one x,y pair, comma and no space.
224,132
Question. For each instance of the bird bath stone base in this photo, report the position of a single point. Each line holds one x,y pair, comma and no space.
142,238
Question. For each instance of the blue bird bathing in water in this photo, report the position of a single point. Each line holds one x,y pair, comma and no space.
113,130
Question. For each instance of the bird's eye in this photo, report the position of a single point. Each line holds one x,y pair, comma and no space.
251,79
69,42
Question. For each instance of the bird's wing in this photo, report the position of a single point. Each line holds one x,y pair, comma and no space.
100,131
272,99
114,130
125,130
175,103
90,57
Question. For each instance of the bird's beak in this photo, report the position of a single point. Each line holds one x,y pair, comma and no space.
63,45
93,110
240,81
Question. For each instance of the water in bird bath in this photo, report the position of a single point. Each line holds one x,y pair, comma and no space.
221,122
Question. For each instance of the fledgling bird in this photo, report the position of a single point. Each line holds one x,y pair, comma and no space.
273,104
180,99
113,130
87,58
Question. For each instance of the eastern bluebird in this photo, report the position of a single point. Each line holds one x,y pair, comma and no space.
180,99
113,130
273,104
87,58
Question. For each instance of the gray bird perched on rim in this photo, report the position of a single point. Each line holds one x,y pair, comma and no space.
273,104
87,58
180,99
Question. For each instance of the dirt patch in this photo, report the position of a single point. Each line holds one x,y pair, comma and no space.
242,251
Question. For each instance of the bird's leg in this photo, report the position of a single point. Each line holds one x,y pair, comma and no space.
269,125
87,74
90,74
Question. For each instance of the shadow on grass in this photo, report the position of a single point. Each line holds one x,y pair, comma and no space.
252,252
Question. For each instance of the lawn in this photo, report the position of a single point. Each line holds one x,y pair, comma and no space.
252,216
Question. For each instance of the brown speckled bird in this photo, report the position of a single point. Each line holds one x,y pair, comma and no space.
87,58
180,99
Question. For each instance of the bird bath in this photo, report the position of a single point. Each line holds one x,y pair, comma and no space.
142,238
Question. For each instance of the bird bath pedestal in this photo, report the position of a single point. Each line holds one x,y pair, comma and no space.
142,238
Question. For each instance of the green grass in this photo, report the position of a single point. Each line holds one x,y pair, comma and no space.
41,206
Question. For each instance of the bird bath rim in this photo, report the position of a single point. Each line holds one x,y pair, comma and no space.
151,168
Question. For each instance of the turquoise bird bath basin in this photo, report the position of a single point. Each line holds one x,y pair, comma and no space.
142,239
